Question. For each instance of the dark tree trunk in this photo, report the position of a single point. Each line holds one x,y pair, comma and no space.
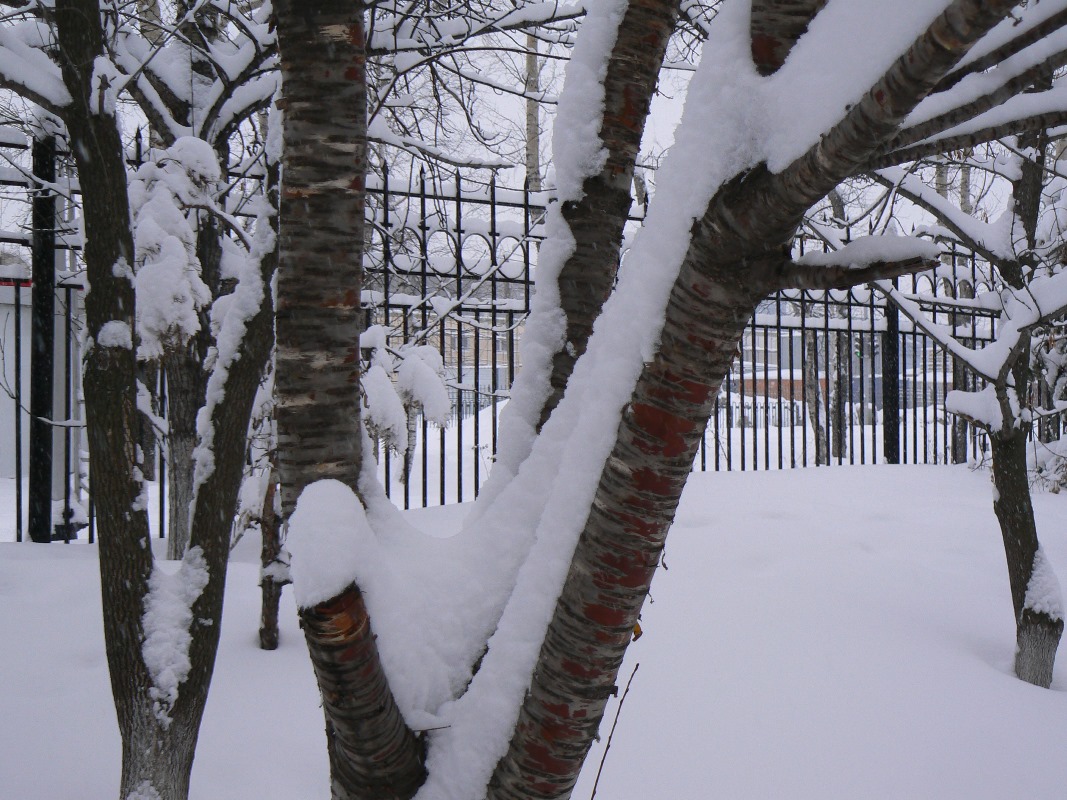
149,376
109,378
157,747
323,55
1038,633
186,384
270,587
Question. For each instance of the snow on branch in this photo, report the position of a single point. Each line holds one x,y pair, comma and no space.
1031,25
27,70
167,623
864,259
981,93
991,240
398,31
1022,113
1044,299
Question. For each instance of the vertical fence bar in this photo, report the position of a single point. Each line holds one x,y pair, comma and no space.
803,379
42,347
459,342
68,391
778,369
162,471
18,410
890,385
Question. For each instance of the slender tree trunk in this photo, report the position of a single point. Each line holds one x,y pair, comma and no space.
372,752
533,116
110,373
271,587
835,382
1038,633
813,395
185,397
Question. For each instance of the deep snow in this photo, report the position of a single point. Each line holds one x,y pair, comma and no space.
820,633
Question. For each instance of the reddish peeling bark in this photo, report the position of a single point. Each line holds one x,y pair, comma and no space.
372,752
776,27
598,219
738,253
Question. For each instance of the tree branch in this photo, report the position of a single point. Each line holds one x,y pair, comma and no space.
843,276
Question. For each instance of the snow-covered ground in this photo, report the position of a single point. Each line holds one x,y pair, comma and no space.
821,633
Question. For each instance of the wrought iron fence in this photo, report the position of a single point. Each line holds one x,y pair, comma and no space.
820,377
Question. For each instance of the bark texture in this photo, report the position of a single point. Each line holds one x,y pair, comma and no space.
598,219
738,253
319,318
776,27
110,398
185,395
270,553
1037,634
372,752
323,55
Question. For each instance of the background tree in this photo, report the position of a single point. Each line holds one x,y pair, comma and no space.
161,631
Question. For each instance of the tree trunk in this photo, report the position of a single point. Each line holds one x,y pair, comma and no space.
813,395
148,374
323,57
270,555
533,116
1038,632
125,553
835,382
620,546
185,397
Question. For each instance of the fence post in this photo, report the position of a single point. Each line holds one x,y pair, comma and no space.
43,339
891,384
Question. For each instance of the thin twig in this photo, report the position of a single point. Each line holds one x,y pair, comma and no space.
607,746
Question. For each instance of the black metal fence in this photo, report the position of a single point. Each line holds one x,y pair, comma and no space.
41,298
820,378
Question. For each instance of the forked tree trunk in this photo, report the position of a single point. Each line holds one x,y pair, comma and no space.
739,252
1038,633
157,747
372,752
